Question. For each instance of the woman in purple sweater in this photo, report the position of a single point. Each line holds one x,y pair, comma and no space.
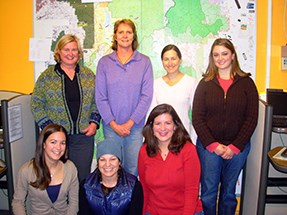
124,92
224,115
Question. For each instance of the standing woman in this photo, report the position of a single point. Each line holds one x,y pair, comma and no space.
169,168
49,180
64,94
175,88
225,112
124,88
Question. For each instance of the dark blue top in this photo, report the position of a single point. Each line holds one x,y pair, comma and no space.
53,192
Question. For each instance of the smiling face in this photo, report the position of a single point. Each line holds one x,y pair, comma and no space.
69,54
163,128
171,61
109,165
124,36
55,146
222,57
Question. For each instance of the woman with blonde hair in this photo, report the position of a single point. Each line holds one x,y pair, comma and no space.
64,94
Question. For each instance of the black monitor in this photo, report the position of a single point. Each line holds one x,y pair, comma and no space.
278,99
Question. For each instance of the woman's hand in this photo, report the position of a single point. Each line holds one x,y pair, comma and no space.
123,129
228,154
90,130
220,149
128,125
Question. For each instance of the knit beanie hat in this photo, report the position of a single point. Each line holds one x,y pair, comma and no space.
109,146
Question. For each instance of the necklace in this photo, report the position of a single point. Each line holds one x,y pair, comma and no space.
108,185
173,80
164,154
53,174
56,170
123,61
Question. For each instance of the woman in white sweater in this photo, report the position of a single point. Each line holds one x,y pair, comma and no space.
175,88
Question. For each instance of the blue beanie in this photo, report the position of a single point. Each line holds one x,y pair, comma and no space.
109,146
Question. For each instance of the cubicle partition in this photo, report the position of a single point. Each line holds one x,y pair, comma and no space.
258,170
253,172
19,135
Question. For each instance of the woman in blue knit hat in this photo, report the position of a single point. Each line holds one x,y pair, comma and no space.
110,190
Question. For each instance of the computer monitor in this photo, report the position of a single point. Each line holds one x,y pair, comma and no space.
278,99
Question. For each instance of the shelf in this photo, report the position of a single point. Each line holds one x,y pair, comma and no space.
3,171
276,182
276,199
281,130
3,185
279,164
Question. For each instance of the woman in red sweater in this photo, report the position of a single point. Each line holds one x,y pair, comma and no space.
169,167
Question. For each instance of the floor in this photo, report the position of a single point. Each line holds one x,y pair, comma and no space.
7,212
238,206
2,212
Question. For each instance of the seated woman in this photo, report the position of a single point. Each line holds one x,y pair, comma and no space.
169,167
49,180
110,189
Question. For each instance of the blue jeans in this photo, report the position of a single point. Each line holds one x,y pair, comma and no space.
215,172
130,147
81,151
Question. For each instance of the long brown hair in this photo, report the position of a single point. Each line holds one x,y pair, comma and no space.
130,23
39,164
179,137
212,70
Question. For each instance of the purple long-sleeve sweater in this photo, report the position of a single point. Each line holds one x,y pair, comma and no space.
124,92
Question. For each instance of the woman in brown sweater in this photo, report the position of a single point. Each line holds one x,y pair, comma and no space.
49,180
224,115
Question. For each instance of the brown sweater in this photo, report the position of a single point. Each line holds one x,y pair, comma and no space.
229,119
40,203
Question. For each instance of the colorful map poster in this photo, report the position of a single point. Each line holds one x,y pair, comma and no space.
192,25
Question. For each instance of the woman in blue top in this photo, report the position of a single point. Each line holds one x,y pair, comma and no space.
124,89
49,180
110,190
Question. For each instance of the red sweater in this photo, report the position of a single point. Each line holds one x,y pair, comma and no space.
170,186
